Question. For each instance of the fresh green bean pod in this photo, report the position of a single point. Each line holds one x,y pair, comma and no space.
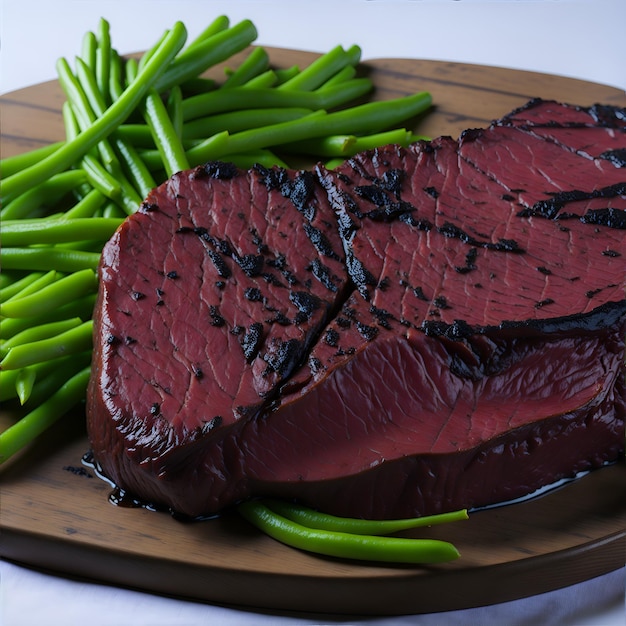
13,164
103,60
71,341
42,417
30,232
219,24
87,205
24,383
254,64
315,519
33,286
61,292
347,545
14,287
45,258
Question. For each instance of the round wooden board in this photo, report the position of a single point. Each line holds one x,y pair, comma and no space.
56,514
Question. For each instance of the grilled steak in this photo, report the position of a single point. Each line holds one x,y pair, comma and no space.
419,330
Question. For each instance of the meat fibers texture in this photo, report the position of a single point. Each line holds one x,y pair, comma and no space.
419,330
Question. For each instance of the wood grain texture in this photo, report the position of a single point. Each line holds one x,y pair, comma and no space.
56,514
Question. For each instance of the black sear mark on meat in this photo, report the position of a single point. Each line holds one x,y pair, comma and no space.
331,337
323,274
112,340
183,230
592,292
299,191
197,372
216,169
129,341
457,331
272,178
608,115
391,211
220,284
373,194
544,270
343,322
270,279
216,318
155,409
315,364
543,303
420,295
160,302
305,302
508,197
611,253
251,264
367,332
470,262
382,316
173,275
253,294
279,318
149,207
237,330
432,192
285,357
360,275
503,245
220,265
616,157
252,340
211,424
613,218
137,295
280,263
320,241
384,283
441,303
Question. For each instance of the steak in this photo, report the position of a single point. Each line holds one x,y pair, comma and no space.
421,329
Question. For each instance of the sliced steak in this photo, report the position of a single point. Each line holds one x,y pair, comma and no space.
457,337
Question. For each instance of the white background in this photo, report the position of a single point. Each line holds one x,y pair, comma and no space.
581,39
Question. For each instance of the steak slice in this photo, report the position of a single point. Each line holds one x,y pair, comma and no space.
457,340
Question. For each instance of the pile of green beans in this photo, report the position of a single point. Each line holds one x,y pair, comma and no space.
130,123
350,538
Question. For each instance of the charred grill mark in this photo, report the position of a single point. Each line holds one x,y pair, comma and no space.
502,245
320,241
616,157
251,341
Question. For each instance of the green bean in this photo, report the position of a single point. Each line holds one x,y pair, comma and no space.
167,142
314,519
37,333
174,109
345,73
346,545
266,79
87,206
13,164
238,98
254,64
118,112
71,341
89,48
29,232
212,50
219,24
81,307
196,86
240,120
58,293
45,258
103,60
283,74
24,383
14,287
261,157
36,201
137,170
39,419
101,179
115,76
323,68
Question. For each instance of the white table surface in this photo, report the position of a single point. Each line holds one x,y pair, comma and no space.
581,39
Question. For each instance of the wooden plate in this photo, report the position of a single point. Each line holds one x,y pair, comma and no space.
56,514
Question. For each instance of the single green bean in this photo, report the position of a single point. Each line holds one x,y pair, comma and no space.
315,519
37,333
61,292
87,206
117,113
45,258
346,73
167,142
174,109
103,60
115,76
254,64
259,157
265,80
89,47
101,179
71,341
30,232
346,545
24,383
39,419
212,50
37,201
13,164
136,168
219,24
196,86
